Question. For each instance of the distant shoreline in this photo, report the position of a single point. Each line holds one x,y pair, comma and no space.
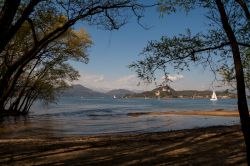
166,98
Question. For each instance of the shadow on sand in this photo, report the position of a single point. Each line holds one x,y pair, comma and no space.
207,146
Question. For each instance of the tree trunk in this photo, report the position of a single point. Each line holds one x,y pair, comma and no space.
7,15
241,91
7,30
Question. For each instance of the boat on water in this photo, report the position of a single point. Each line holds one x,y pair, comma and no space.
213,97
114,97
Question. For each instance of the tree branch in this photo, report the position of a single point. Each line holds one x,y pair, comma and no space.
33,31
112,21
244,44
13,29
243,5
210,48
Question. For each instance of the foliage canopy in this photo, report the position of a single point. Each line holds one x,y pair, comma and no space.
37,40
223,45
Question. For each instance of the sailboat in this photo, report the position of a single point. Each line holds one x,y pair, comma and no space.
114,97
214,97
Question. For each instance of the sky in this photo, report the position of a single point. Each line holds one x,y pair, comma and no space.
113,51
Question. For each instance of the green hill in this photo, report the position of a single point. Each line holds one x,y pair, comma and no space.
168,92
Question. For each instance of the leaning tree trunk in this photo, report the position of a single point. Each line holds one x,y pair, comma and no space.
241,91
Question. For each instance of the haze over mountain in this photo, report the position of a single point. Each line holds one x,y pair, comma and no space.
120,92
81,91
165,92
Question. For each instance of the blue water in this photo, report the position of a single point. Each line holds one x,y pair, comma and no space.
88,116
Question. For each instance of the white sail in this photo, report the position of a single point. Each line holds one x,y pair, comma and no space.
214,97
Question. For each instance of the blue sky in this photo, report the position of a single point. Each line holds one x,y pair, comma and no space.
113,51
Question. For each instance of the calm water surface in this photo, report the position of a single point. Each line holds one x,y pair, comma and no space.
85,116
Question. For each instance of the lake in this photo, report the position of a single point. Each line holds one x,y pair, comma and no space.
91,116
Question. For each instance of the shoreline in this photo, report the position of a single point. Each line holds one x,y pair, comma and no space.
217,112
217,145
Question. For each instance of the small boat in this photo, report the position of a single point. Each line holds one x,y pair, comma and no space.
114,97
214,97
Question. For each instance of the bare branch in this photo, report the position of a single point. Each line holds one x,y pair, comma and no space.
244,44
211,48
112,21
243,5
33,31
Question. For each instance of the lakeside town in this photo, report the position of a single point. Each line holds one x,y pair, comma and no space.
166,92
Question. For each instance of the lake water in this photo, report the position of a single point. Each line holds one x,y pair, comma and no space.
90,116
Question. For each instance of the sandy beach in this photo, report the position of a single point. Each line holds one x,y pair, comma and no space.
218,112
206,146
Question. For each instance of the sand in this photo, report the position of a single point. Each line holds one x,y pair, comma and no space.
218,112
207,146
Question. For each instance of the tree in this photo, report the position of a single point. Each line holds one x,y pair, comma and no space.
33,35
222,44
48,72
228,73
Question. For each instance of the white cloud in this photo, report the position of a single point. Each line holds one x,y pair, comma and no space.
91,78
174,77
101,83
130,82
127,81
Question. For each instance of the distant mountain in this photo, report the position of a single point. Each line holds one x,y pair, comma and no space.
120,92
81,91
165,91
168,92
